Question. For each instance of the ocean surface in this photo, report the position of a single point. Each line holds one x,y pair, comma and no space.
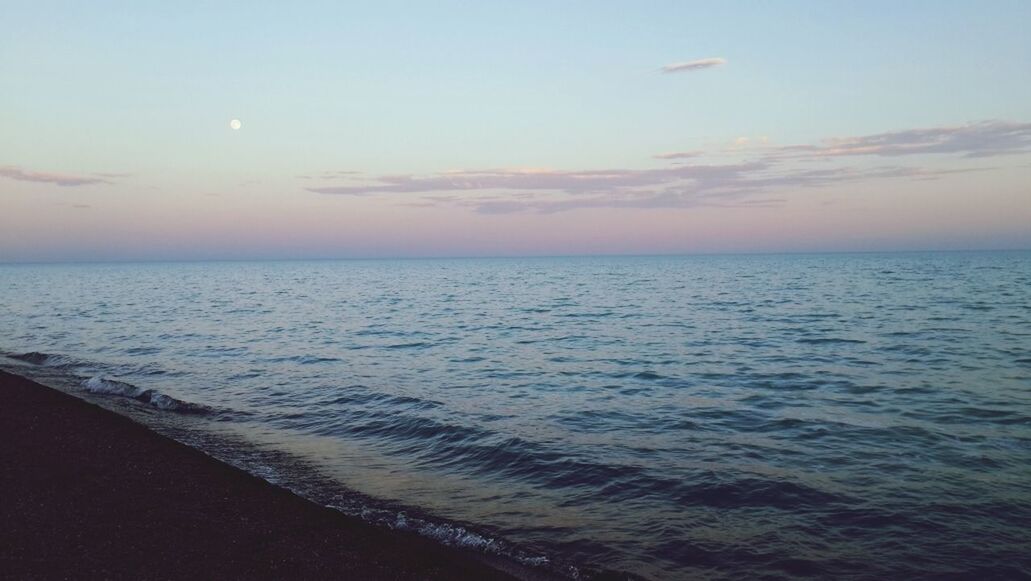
853,415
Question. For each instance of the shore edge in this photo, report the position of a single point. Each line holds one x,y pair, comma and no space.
90,493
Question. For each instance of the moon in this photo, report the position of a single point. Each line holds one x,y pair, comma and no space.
235,124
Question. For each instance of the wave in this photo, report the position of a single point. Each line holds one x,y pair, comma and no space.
532,561
446,533
453,534
99,385
379,513
474,450
828,340
47,359
304,359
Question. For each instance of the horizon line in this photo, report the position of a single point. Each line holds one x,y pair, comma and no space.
507,256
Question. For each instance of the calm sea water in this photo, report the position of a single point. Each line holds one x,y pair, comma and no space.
680,417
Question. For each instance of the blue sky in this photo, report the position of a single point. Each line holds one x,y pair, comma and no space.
145,90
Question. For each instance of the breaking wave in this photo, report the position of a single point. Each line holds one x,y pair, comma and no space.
99,385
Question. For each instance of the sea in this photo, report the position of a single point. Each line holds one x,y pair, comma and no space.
672,417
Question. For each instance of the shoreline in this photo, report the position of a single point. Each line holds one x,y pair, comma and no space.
91,493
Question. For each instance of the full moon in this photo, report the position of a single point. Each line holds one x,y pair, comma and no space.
235,124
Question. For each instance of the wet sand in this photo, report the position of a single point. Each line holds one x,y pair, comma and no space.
87,493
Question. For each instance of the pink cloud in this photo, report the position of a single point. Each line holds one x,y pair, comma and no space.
981,139
691,184
60,179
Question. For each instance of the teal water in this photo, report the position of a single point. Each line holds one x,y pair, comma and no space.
674,417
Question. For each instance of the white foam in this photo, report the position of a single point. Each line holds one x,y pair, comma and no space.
458,537
162,401
97,384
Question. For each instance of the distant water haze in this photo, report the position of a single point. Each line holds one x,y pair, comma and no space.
677,417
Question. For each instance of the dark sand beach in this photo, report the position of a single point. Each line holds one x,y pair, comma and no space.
86,493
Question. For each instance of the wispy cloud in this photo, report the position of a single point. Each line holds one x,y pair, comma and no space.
112,175
60,179
982,139
331,175
737,190
696,65
680,154
579,181
743,183
548,191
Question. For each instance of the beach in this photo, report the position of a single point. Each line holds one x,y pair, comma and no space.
87,493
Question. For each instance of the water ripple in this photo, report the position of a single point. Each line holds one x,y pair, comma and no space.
691,417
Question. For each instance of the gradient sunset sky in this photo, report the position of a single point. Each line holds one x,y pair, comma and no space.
382,129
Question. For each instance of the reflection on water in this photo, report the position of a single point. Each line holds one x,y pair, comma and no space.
675,417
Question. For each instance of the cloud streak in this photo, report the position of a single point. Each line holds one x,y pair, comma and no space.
744,183
60,179
680,154
981,139
549,191
573,182
696,65
331,175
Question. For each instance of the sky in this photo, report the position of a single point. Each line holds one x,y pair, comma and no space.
509,128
